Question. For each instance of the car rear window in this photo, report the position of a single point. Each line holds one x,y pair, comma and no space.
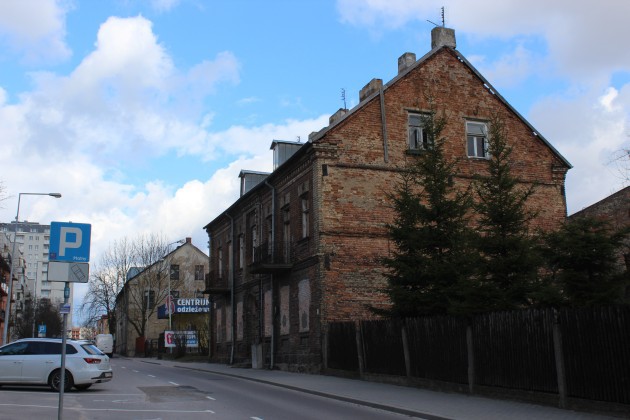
92,349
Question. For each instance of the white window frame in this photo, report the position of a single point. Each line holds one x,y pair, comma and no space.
477,139
418,138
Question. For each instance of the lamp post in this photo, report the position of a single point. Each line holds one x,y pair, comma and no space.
7,309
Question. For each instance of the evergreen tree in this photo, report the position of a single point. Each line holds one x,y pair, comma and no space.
429,230
508,264
584,266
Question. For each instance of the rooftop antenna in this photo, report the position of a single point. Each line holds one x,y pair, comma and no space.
343,98
443,21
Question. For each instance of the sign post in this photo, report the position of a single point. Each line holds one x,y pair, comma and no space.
68,258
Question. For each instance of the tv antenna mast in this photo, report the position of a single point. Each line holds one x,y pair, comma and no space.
443,20
343,98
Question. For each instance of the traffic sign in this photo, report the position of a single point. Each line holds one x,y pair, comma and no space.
68,272
70,242
64,308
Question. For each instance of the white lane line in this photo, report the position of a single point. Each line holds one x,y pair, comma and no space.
110,409
152,376
210,398
256,418
173,383
135,371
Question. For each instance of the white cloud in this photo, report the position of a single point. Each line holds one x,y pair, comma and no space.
587,131
35,29
164,5
582,38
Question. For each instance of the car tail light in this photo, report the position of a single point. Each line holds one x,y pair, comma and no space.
92,360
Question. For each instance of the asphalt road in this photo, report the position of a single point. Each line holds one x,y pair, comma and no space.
143,390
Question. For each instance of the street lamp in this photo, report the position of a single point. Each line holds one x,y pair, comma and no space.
7,308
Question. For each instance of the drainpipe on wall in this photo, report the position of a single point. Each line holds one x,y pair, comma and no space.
273,299
231,279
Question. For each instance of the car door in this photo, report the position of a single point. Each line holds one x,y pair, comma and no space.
40,362
11,362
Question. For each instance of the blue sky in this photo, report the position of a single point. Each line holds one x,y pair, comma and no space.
142,113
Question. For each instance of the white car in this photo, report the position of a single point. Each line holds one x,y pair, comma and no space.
37,361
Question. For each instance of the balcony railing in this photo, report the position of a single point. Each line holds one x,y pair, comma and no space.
216,285
271,258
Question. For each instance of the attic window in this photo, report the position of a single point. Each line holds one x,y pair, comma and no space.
418,136
477,139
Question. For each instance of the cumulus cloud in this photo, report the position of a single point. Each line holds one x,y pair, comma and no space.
35,29
582,39
123,101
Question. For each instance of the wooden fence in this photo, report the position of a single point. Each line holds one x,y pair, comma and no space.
573,354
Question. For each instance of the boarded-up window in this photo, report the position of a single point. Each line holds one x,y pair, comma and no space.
304,303
239,320
284,310
267,313
228,323
220,330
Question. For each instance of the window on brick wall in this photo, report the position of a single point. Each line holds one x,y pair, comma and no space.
305,216
220,258
477,139
241,250
418,136
254,236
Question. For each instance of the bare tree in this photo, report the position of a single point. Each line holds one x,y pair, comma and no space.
106,281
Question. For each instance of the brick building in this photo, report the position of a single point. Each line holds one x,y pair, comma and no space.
180,272
301,246
615,208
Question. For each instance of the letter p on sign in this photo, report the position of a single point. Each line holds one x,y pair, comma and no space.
69,242
66,240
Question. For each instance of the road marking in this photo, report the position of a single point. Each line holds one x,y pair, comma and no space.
210,398
109,409
173,383
151,376
256,418
135,371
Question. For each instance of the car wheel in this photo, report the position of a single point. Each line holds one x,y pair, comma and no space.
55,380
82,387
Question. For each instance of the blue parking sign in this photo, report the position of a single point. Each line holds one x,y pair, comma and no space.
70,242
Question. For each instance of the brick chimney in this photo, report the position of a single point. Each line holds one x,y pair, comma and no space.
373,86
405,61
189,240
442,37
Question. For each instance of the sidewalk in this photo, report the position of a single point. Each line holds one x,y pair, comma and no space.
413,402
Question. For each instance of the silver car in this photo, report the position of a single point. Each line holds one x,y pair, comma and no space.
37,361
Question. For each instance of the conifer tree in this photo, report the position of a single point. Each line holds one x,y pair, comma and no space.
429,230
584,263
508,265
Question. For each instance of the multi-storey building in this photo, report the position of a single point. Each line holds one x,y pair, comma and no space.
143,298
302,245
33,241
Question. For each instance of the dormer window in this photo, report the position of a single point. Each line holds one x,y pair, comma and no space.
477,139
418,136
